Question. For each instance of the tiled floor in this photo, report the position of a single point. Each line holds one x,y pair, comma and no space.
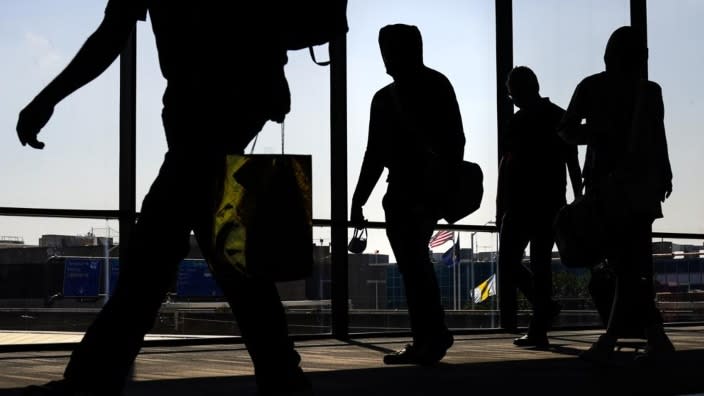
476,365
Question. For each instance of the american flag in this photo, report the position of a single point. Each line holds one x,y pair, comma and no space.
441,237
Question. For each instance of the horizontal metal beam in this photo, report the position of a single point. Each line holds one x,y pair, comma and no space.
64,213
114,214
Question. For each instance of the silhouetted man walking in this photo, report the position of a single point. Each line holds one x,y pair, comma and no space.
415,130
619,115
224,63
531,189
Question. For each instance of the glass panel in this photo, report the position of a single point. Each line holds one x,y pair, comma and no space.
52,277
679,278
40,289
564,42
37,40
673,34
464,272
151,140
458,41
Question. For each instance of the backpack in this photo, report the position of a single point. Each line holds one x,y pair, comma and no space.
307,23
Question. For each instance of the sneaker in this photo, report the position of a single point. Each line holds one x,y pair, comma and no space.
601,351
406,355
658,349
424,355
540,323
532,340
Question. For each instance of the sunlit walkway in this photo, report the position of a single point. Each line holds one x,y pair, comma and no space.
476,364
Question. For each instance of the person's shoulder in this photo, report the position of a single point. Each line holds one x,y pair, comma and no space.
550,106
594,79
652,86
383,95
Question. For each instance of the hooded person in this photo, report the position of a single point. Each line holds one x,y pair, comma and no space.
619,115
414,128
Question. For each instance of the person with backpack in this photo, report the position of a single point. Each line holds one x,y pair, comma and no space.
619,115
195,43
415,131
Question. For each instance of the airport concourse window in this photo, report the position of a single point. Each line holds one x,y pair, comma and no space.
457,41
673,29
78,168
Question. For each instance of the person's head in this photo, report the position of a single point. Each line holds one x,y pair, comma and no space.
401,48
626,52
522,85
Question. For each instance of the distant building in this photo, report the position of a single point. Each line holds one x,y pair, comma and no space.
11,242
60,241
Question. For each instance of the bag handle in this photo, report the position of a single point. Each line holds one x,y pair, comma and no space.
312,56
283,129
360,233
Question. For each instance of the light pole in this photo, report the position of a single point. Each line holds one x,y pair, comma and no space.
376,283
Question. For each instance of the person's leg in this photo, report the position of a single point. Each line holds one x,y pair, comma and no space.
636,293
633,313
409,232
513,275
541,244
634,300
262,322
103,358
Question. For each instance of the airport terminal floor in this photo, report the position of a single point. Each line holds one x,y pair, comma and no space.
476,364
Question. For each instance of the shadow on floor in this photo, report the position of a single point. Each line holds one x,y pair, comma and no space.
553,376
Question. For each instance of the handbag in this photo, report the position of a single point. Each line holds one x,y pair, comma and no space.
579,233
359,241
465,193
263,223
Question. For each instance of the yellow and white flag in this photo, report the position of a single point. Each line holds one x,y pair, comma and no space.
485,290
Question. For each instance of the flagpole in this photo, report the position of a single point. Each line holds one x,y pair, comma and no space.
458,278
454,283
456,260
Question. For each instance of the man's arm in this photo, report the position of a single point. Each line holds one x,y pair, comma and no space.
574,170
661,144
372,165
94,57
571,129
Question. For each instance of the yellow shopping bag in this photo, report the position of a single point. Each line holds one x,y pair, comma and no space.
263,224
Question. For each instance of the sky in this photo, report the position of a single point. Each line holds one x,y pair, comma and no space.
562,41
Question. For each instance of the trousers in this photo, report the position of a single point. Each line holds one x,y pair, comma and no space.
409,229
518,229
180,200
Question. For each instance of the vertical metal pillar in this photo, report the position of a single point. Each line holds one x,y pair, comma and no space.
639,21
504,111
128,128
338,187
